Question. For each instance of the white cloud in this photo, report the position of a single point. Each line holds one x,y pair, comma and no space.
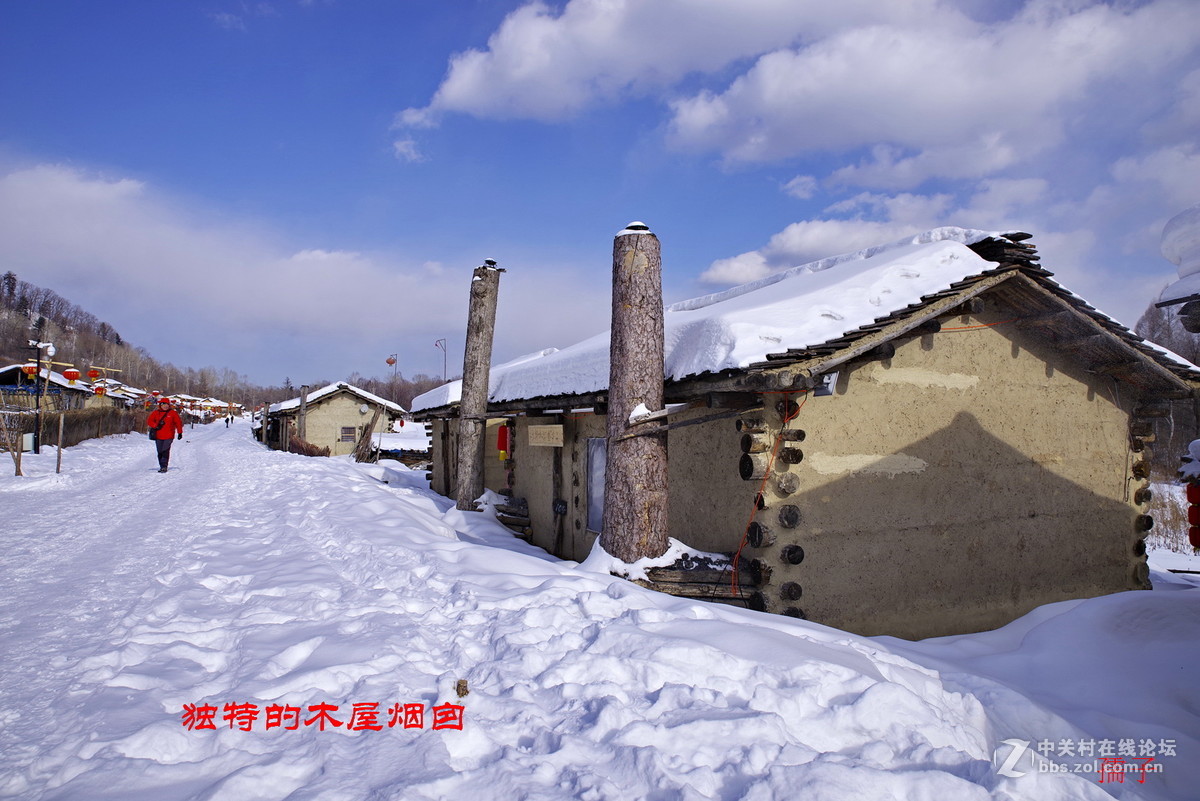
951,98
919,211
237,22
1004,203
1104,247
740,269
230,22
1173,172
407,150
927,88
803,242
196,289
873,218
549,65
889,168
802,187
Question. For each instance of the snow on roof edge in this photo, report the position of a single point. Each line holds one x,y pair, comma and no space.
329,389
965,236
732,326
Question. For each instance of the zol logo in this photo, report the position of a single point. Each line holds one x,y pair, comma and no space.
1008,766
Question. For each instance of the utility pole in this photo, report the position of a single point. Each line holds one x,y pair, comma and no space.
477,359
635,476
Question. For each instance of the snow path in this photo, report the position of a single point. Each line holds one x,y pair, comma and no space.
245,575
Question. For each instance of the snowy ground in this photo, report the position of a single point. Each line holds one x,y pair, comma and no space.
275,581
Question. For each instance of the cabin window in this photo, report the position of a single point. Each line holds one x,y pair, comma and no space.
597,453
348,434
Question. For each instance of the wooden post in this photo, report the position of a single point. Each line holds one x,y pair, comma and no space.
302,421
58,463
477,359
635,477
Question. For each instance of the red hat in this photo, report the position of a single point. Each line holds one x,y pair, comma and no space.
164,399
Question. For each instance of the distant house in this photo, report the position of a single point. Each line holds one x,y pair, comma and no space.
931,437
58,393
335,416
121,395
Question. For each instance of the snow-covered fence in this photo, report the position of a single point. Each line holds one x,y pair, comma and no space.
79,424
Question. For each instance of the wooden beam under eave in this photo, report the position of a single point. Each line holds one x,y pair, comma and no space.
1077,344
1117,368
1052,319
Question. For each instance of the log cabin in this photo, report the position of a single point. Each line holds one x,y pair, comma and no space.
334,416
925,438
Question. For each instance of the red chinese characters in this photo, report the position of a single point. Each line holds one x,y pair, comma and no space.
410,716
448,716
364,716
323,715
241,715
198,716
285,717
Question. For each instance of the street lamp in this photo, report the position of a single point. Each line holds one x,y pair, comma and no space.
37,348
441,345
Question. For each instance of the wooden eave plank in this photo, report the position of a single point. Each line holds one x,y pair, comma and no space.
1111,332
907,323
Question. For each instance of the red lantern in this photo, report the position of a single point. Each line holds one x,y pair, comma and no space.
502,441
100,390
72,375
93,374
391,360
29,369
1194,536
1193,492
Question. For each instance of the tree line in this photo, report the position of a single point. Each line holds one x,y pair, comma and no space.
28,311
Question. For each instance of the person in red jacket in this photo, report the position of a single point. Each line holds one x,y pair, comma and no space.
164,425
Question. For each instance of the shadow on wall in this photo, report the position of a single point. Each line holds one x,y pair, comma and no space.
957,532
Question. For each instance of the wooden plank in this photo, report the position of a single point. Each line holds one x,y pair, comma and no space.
545,436
675,576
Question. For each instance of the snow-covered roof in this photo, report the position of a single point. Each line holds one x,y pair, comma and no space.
55,378
117,389
793,310
802,306
317,394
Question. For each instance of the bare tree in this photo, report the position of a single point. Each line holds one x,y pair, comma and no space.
1163,328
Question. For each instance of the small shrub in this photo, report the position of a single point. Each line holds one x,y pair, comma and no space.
1169,508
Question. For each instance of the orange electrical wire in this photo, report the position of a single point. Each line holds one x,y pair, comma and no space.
733,583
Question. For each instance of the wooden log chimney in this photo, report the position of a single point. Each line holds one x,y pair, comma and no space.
477,359
302,416
635,479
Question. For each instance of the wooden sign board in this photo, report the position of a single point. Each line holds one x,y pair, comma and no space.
546,436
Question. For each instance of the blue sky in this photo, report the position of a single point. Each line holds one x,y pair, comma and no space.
300,189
